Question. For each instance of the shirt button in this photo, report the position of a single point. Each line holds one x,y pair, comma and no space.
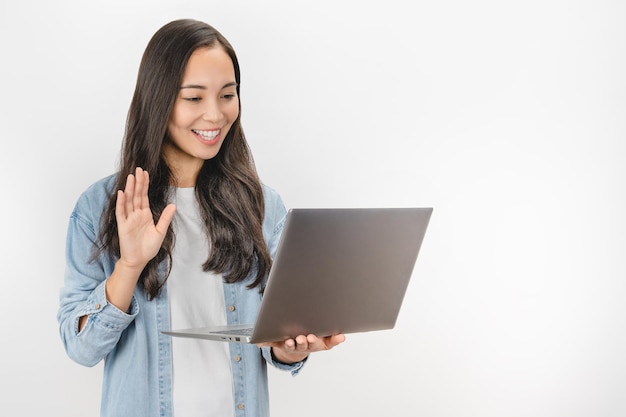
231,308
97,306
237,358
240,406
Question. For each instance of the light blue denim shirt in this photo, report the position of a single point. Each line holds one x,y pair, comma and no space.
137,380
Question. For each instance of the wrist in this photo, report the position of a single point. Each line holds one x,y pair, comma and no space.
287,358
128,268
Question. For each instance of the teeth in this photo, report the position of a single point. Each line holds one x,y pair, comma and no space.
207,134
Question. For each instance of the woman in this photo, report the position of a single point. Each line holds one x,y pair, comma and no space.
182,235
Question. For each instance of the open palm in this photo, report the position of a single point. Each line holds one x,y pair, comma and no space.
140,239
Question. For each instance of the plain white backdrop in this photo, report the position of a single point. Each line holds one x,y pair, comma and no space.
509,118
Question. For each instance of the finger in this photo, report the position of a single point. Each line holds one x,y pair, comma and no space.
315,343
129,191
140,187
325,343
145,202
120,213
302,343
278,345
334,340
288,345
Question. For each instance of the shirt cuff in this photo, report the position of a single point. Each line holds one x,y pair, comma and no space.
105,314
294,368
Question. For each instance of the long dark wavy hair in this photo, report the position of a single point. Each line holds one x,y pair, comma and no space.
228,187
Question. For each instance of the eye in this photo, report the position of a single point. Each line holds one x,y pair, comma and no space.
229,96
192,99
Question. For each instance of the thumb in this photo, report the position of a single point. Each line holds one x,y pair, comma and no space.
166,218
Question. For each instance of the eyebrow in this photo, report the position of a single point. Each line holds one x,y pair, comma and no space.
203,87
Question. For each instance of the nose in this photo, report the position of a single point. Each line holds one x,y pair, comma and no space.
212,111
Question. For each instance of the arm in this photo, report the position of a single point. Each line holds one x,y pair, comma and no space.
96,303
140,239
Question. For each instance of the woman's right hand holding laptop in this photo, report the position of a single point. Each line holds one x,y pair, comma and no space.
297,349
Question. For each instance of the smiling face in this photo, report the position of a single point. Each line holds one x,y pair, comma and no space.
204,111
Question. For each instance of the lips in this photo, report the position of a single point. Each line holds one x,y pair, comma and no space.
207,136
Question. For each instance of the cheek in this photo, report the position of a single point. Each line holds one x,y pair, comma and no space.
183,116
175,119
233,112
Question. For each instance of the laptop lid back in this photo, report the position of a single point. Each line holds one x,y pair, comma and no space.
340,271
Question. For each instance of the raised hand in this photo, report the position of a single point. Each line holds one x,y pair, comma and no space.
140,239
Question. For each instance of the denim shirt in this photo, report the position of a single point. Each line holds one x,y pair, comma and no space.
137,380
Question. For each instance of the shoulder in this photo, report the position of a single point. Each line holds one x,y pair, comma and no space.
93,200
270,194
275,210
273,200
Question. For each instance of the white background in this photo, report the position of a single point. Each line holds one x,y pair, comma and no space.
507,117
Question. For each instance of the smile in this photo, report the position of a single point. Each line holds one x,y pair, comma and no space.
206,134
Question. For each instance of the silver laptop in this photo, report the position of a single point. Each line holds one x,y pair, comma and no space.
342,270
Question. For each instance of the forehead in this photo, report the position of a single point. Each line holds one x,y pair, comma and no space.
209,65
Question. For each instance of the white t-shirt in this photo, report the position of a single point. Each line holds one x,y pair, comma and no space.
202,378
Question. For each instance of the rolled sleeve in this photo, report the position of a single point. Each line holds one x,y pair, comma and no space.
83,293
105,315
294,368
103,329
